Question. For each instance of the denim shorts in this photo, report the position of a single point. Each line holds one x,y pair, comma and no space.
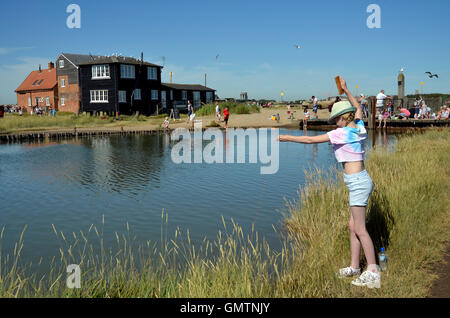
360,186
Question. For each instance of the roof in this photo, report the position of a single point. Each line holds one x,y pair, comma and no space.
190,87
44,80
88,59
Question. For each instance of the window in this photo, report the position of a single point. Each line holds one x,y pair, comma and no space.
47,101
100,71
122,96
29,101
99,96
137,94
40,82
61,63
63,82
171,94
184,95
35,82
127,71
209,96
63,101
152,73
154,94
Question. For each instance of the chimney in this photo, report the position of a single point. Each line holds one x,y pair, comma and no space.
40,69
51,65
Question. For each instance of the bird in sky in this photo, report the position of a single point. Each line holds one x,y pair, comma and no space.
217,56
431,75
402,69
297,46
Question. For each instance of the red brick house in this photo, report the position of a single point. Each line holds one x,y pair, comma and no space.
40,89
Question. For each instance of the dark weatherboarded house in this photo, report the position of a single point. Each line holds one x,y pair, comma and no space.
108,84
179,94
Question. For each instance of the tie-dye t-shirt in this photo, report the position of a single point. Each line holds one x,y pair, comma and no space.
348,142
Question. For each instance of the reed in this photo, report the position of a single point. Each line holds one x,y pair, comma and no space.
408,214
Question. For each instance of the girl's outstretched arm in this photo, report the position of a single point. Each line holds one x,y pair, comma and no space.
304,139
353,101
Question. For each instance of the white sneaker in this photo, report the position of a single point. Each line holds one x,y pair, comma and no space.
349,272
369,279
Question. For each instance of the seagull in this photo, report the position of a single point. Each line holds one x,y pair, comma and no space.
297,46
402,70
431,75
217,56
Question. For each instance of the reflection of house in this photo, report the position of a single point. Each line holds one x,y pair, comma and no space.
179,94
38,89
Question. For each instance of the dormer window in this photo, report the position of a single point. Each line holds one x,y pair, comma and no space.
100,71
61,63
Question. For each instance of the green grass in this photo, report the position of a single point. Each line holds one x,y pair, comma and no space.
66,120
408,214
234,108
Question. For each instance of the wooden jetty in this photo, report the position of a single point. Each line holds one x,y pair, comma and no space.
393,125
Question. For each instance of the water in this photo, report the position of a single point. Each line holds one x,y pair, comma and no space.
73,184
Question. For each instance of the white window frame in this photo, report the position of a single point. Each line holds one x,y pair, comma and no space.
63,101
122,96
154,94
101,71
183,95
137,94
61,63
99,96
29,101
127,71
47,101
63,82
152,73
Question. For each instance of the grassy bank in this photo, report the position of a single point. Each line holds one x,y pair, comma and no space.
234,108
65,120
408,214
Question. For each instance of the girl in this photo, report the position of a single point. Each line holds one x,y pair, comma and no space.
386,113
226,116
305,118
348,141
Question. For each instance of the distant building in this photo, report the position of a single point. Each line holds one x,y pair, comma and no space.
39,89
178,94
244,96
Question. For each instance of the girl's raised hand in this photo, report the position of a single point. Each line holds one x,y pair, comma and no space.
343,83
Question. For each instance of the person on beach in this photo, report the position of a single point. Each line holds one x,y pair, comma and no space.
305,117
417,108
315,106
226,116
443,114
166,123
363,102
189,109
217,111
348,141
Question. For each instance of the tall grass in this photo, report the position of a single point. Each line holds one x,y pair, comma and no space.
234,108
408,214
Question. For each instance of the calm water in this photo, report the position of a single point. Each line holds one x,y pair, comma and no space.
72,184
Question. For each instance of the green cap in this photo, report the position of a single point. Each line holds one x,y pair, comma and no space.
339,109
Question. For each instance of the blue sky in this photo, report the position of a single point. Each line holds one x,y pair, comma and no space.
254,39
